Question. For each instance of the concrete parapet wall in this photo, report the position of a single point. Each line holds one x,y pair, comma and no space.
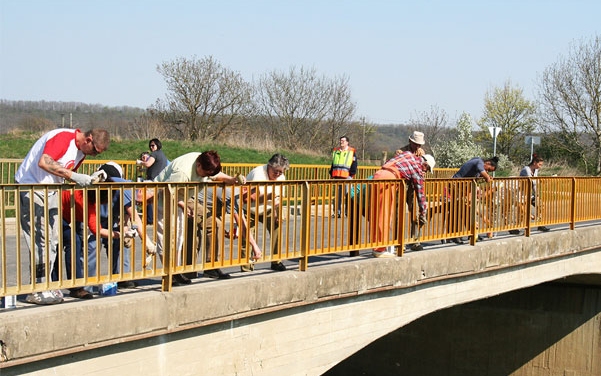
264,323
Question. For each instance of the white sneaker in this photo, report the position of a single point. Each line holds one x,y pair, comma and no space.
43,298
383,254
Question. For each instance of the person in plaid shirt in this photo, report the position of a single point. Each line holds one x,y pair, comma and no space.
411,168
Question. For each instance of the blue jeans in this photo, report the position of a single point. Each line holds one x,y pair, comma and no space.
92,244
79,260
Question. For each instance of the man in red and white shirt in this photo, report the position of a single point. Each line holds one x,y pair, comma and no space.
52,159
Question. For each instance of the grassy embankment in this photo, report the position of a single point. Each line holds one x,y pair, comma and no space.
17,146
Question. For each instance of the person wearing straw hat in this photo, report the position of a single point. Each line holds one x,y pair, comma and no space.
416,143
412,169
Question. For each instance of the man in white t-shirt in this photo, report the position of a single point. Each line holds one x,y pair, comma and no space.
53,159
265,202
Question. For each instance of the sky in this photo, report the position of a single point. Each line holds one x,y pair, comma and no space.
402,58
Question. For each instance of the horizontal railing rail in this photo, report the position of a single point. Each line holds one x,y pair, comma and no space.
135,172
200,227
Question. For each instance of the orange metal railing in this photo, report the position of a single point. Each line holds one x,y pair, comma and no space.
198,227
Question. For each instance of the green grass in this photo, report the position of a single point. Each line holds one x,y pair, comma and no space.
17,146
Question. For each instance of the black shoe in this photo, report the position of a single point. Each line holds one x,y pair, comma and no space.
543,228
457,241
417,247
515,232
126,285
80,293
216,274
181,280
278,266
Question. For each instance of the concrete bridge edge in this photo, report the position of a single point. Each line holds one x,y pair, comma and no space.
303,322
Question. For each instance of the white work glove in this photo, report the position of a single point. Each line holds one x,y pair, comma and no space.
99,177
240,179
138,162
81,179
148,261
131,233
151,248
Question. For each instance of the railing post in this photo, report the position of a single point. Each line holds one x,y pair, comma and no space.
528,208
473,210
168,255
401,216
573,205
305,226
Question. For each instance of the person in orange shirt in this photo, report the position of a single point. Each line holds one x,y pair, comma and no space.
78,233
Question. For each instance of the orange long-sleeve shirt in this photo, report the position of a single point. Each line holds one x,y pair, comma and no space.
66,203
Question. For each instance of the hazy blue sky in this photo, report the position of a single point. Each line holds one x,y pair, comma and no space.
401,57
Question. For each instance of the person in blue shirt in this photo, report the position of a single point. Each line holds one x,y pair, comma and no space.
113,172
474,168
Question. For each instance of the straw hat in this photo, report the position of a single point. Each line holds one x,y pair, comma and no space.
417,138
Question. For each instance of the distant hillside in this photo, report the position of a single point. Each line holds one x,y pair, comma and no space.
36,116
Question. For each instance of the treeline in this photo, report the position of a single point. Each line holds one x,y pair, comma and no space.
131,123
38,116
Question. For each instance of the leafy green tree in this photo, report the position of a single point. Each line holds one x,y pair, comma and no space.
506,108
457,151
570,95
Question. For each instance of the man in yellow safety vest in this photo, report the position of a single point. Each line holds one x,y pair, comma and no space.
344,166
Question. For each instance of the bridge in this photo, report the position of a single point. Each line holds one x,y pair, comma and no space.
300,323
327,306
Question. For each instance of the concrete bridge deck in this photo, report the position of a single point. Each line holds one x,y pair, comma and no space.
300,322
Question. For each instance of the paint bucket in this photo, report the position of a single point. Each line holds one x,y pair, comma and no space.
109,289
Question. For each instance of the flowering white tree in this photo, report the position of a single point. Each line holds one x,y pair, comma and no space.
460,149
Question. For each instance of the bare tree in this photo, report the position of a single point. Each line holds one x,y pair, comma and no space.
302,109
340,111
148,126
204,98
570,95
433,124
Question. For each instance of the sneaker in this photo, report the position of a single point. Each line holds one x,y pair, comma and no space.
58,293
181,279
247,268
543,228
43,298
278,266
417,247
457,241
80,293
515,232
126,285
383,254
216,274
